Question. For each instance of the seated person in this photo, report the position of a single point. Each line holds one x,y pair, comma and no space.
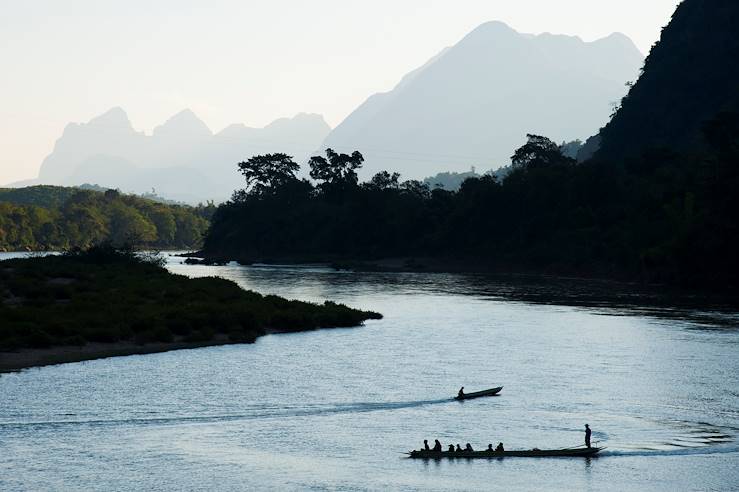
437,446
425,445
459,450
490,448
461,392
451,448
499,448
468,448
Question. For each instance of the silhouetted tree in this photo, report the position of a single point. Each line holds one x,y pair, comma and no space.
538,151
416,188
266,173
335,170
384,181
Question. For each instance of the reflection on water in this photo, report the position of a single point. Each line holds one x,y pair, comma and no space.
655,378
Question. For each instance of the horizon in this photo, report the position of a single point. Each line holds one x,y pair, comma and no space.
323,79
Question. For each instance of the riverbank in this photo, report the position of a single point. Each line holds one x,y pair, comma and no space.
105,302
566,286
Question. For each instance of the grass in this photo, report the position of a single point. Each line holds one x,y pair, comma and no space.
107,295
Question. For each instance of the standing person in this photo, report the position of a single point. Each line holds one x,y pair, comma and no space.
588,432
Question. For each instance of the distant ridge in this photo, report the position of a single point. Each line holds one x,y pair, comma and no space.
474,102
181,160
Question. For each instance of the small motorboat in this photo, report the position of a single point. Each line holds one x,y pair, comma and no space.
478,394
526,453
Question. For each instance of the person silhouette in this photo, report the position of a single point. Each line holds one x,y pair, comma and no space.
425,445
460,394
437,446
588,433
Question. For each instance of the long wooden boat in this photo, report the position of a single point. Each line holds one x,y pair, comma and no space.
478,394
527,453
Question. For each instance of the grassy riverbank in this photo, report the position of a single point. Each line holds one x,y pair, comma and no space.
104,301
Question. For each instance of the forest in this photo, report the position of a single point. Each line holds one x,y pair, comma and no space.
56,218
664,217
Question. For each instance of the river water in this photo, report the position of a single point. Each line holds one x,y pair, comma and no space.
334,409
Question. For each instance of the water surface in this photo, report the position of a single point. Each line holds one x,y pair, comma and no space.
334,409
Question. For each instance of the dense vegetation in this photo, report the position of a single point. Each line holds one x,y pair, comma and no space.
110,295
664,218
54,217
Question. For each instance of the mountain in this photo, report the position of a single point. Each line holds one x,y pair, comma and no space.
690,76
474,103
182,159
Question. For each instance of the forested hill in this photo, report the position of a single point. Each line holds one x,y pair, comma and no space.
41,196
689,77
55,217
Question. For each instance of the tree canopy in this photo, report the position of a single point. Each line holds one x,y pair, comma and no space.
669,218
266,173
50,217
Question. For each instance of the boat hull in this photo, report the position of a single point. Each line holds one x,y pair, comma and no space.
479,394
528,453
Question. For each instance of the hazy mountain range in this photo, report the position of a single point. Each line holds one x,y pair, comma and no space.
474,103
182,159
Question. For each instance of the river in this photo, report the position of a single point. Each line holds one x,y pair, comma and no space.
334,409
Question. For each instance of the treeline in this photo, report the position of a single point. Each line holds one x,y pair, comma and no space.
54,218
663,217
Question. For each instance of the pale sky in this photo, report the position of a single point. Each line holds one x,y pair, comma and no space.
244,61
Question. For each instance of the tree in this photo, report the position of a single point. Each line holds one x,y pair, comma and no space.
266,173
538,151
129,226
336,169
384,181
416,188
164,222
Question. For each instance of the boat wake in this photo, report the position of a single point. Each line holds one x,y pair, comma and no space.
703,450
696,438
256,412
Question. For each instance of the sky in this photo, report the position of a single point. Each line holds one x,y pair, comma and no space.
244,61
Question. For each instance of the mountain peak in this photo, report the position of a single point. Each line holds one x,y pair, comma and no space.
311,119
115,117
620,40
472,104
493,27
183,124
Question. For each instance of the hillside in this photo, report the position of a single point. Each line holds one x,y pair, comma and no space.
54,217
689,77
476,101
